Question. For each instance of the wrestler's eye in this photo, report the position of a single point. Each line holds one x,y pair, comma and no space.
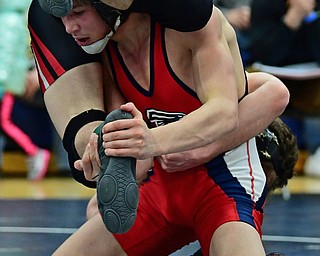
79,10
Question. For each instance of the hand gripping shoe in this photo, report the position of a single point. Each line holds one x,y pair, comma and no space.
58,8
117,189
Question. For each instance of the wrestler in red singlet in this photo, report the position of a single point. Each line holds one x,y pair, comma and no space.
192,204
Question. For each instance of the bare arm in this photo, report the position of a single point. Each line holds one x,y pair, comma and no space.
297,11
267,100
217,83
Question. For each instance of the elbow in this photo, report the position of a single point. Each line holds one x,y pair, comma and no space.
281,96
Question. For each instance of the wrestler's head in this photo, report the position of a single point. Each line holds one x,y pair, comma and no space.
81,20
92,24
60,8
278,151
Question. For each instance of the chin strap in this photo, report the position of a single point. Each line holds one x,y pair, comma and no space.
100,45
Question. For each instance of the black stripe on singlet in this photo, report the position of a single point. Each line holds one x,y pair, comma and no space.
246,89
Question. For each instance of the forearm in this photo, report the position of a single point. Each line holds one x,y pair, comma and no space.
267,100
199,128
293,19
254,116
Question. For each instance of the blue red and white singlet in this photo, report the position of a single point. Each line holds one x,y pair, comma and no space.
180,207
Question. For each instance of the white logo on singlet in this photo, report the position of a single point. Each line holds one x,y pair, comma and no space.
159,117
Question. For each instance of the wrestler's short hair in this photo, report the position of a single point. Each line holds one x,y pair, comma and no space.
84,2
288,151
277,144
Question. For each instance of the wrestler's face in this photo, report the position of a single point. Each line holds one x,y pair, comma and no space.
85,25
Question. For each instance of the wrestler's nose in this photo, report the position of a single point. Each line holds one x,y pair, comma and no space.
71,25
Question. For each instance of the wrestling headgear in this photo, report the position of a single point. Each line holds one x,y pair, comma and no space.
112,16
58,8
268,148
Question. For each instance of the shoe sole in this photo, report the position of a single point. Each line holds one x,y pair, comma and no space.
117,189
58,8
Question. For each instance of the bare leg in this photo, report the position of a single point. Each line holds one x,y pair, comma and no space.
236,239
92,238
92,207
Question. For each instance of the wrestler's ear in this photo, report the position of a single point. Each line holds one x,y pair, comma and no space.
118,4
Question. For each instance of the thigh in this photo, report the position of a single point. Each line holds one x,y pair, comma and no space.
236,238
236,196
153,233
92,238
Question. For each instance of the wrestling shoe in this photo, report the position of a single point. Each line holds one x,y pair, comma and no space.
38,164
117,189
58,8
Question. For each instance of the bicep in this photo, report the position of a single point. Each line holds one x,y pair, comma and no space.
213,64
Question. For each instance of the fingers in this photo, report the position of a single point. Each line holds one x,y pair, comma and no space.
124,123
90,163
119,129
130,107
132,140
172,162
94,148
128,137
78,165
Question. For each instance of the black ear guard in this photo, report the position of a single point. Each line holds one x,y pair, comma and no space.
109,14
268,148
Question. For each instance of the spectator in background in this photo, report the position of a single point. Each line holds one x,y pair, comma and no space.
286,32
281,34
238,13
17,83
23,118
